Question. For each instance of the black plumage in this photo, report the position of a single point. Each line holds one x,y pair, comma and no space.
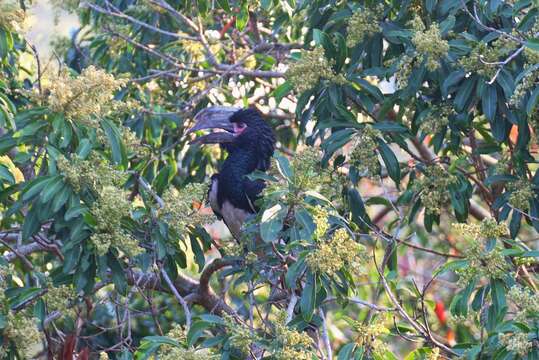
250,144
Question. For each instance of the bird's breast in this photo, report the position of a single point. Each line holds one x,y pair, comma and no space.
233,217
212,197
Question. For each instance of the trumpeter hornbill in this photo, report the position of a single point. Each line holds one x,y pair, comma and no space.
250,143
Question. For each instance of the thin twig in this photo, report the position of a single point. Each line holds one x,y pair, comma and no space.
290,308
325,335
180,299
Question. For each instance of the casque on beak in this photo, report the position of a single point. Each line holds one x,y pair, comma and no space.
215,117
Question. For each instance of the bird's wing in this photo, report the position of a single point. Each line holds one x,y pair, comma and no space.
253,189
212,196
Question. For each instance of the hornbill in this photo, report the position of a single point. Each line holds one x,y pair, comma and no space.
250,144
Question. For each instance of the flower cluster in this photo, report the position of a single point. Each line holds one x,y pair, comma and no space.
526,302
433,188
531,56
240,336
186,354
369,336
434,354
194,48
479,59
143,7
310,69
483,262
469,320
132,143
5,271
504,163
168,352
290,344
182,207
362,24
232,248
93,173
437,118
339,252
309,175
320,217
488,228
363,155
517,343
59,298
404,70
22,330
11,15
430,46
249,62
521,194
526,83
108,211
308,172
85,98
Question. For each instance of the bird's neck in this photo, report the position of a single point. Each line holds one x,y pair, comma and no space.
239,163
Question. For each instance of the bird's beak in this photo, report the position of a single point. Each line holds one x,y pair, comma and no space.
215,117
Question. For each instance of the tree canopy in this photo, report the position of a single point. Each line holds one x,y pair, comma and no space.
401,213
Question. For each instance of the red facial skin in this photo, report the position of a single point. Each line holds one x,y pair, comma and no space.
239,128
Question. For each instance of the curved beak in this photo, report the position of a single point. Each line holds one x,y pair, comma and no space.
214,118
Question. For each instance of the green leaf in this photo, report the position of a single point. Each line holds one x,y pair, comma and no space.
212,319
119,154
532,101
283,165
74,212
31,224
305,220
346,351
6,144
52,188
531,253
271,223
61,198
6,175
464,93
30,129
495,179
390,126
118,274
369,88
533,44
281,91
294,272
202,6
23,296
197,251
150,344
359,215
196,330
497,290
242,18
223,4
36,186
489,100
84,148
308,298
391,162
4,48
450,266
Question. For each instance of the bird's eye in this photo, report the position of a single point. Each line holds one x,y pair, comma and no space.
239,127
